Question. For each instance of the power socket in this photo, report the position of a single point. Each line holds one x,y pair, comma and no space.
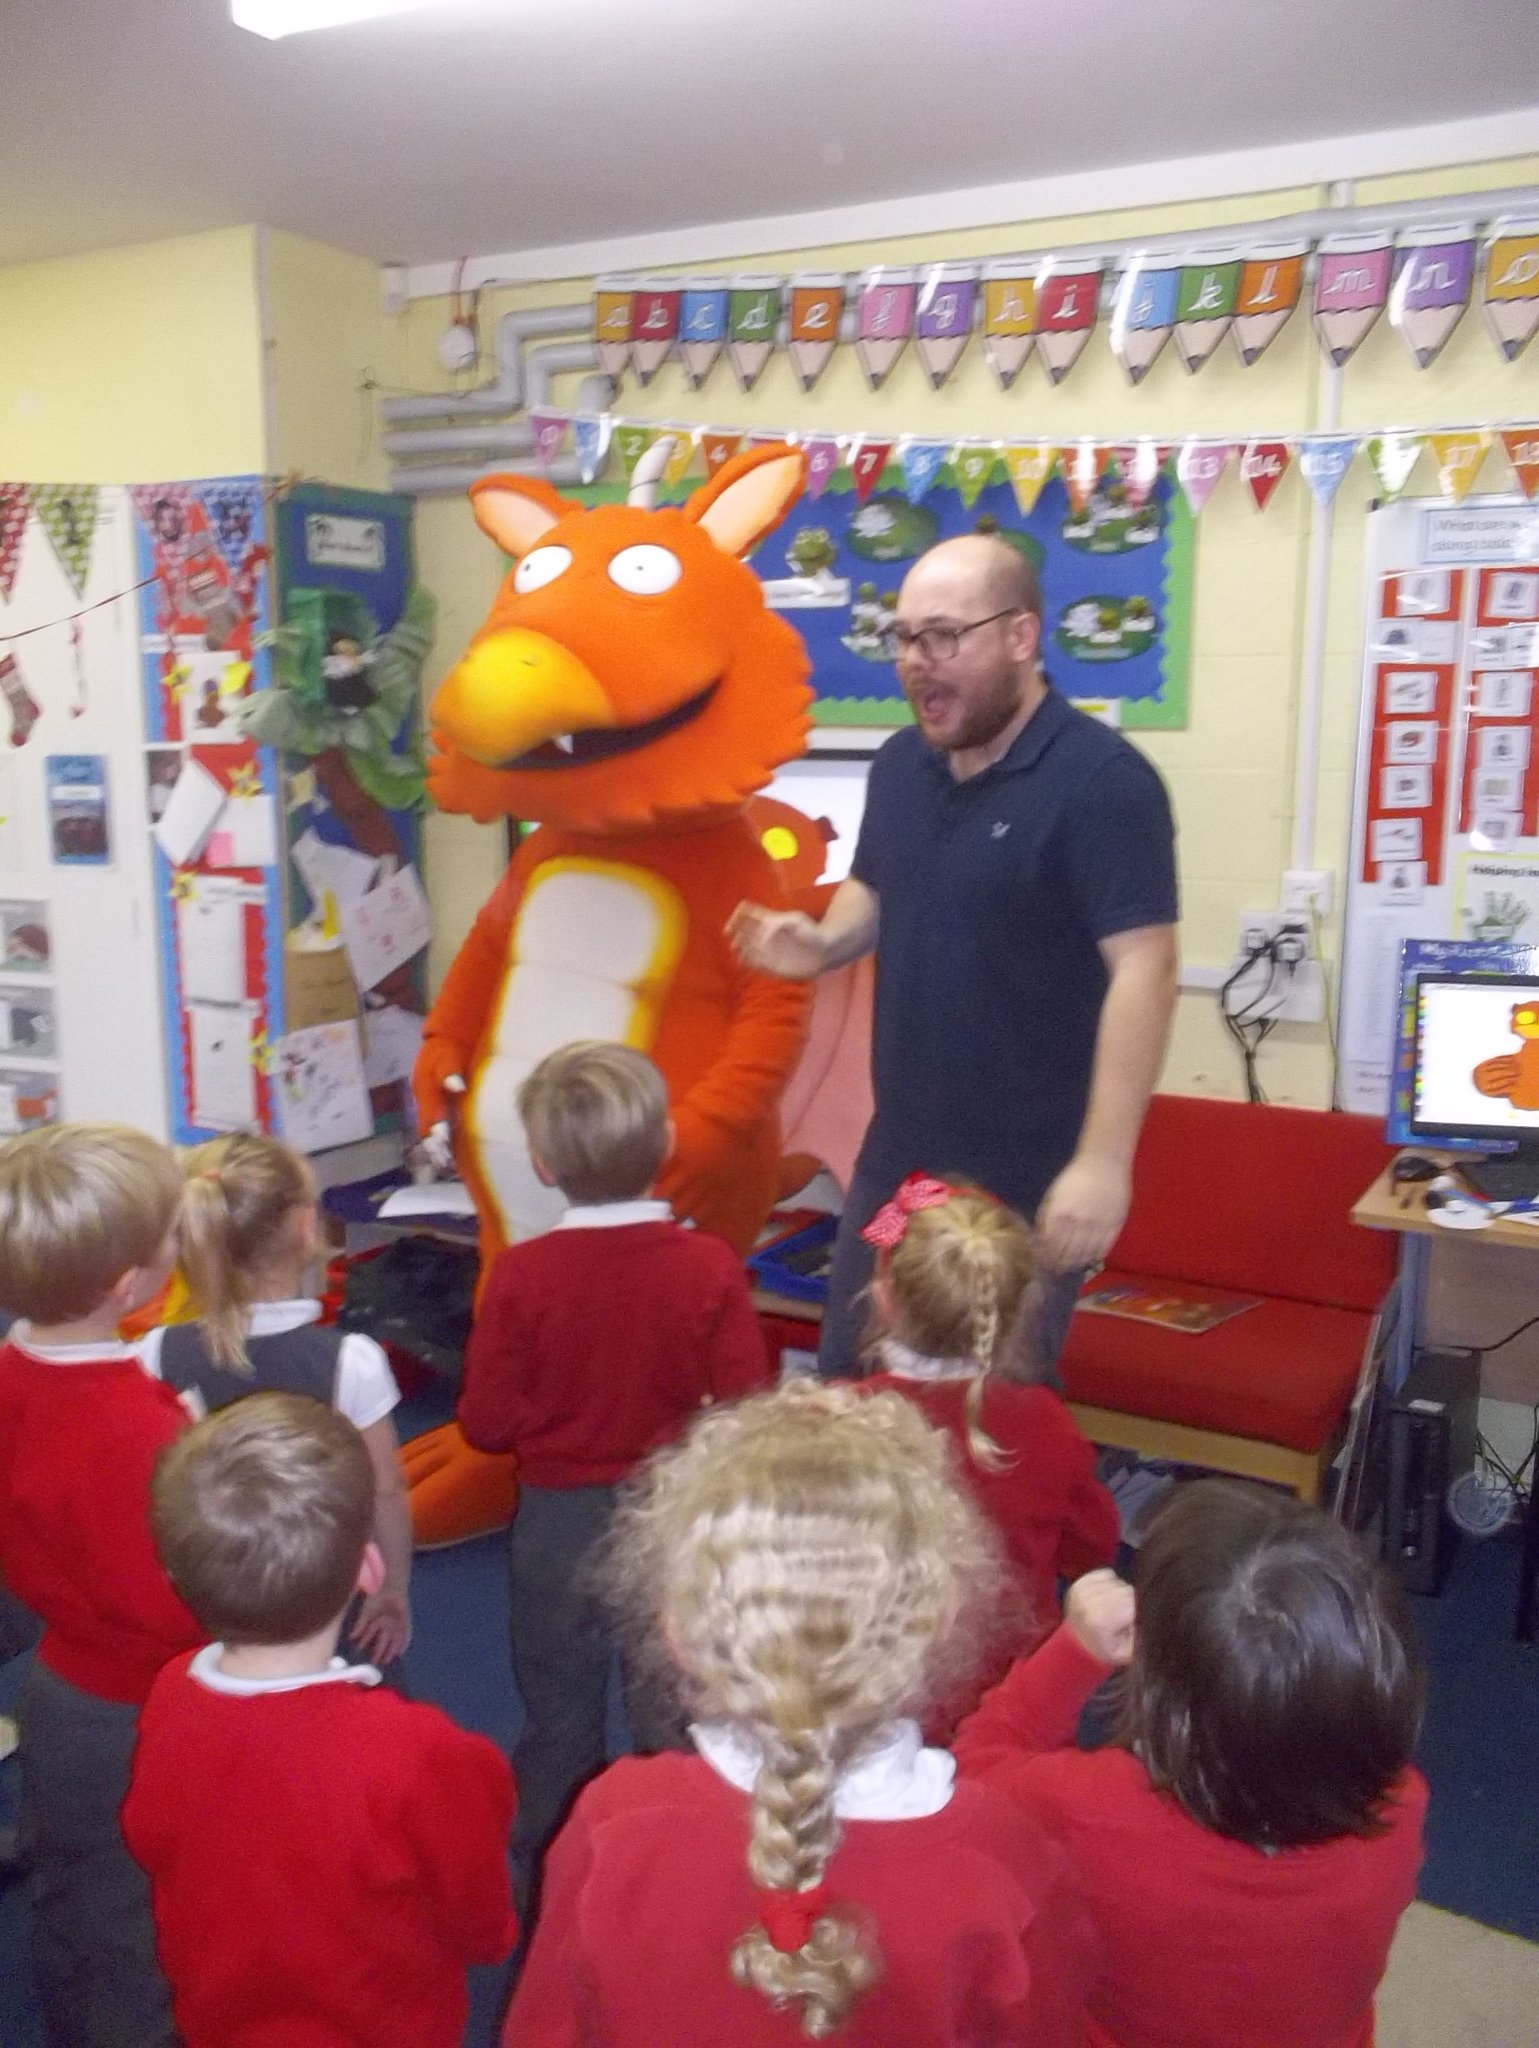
1297,996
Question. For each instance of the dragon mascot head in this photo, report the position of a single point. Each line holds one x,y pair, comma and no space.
629,692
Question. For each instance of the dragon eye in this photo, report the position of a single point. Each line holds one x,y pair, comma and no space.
541,566
645,571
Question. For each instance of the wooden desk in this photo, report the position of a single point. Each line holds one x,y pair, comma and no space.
1388,1207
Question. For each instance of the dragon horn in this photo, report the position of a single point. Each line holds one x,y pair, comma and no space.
648,471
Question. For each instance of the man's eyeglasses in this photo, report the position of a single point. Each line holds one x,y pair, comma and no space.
939,643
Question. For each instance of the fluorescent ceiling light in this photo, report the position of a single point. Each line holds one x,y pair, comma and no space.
275,18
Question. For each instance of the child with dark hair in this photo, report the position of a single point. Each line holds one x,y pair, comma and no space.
325,1858
1250,1841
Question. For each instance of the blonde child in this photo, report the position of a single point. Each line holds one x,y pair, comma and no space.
813,1578
952,1298
88,1217
1248,1844
325,1857
250,1235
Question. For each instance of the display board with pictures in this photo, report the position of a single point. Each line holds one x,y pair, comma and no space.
1445,835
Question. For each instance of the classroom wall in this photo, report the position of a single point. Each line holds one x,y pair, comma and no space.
1231,772
133,365
322,328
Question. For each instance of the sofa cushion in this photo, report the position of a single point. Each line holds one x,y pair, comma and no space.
1283,1372
1257,1198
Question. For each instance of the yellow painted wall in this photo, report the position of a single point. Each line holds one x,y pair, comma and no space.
322,333
1231,771
131,365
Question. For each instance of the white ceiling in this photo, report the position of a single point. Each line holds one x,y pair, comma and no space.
507,124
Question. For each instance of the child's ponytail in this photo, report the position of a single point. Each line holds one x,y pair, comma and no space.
239,1193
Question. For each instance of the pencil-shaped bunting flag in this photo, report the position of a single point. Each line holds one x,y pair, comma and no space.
613,298
1434,271
1068,299
943,319
1009,317
972,467
1144,312
702,327
1458,458
753,321
1270,279
884,320
1263,465
654,324
1028,465
1351,287
817,308
1205,303
1510,291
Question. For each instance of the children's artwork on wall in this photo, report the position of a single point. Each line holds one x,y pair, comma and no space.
27,1099
78,831
27,1027
25,944
323,1099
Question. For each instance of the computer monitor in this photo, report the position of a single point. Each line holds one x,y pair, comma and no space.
1476,1064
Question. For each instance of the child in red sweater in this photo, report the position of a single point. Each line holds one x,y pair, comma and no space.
1249,1844
87,1235
808,1568
592,1345
325,1857
951,1303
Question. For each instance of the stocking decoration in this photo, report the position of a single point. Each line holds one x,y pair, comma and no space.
25,709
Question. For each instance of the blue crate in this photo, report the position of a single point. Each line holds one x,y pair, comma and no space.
776,1278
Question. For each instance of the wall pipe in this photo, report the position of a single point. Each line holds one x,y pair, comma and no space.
513,437
506,393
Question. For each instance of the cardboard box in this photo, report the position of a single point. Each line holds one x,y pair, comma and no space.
318,986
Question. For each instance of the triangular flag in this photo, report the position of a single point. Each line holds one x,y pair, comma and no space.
631,443
1080,465
1138,464
718,448
1199,466
68,516
1394,456
921,462
822,453
1521,444
234,511
972,467
13,524
867,459
590,436
1458,458
677,466
1029,464
1324,462
549,432
1263,465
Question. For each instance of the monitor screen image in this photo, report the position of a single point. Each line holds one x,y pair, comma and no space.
1477,1057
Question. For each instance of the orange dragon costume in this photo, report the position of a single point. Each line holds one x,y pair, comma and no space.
630,690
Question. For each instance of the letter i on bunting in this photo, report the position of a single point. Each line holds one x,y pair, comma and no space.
1205,303
1009,317
1068,299
753,321
943,321
1434,270
1270,280
612,301
654,324
884,321
702,327
817,308
1510,295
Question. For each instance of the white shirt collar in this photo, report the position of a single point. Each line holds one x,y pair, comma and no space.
894,1778
20,1334
906,1364
612,1215
276,1318
205,1669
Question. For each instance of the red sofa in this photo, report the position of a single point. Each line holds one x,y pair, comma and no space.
1239,1198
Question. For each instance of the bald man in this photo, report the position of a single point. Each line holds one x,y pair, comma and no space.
1016,876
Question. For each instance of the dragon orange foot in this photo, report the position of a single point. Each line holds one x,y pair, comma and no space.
456,1492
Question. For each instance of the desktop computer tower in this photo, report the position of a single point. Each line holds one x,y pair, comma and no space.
1429,1440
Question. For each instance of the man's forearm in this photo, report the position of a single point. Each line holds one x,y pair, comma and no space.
1130,1045
849,925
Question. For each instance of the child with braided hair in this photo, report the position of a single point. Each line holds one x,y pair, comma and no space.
952,1301
805,1565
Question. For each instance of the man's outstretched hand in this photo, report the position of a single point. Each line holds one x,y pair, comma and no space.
783,942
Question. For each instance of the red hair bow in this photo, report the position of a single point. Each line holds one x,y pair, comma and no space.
789,1917
916,1191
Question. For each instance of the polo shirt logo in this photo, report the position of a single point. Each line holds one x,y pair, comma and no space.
999,828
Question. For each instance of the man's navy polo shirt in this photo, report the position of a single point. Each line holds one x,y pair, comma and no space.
989,981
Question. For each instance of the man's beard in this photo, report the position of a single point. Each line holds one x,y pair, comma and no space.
985,721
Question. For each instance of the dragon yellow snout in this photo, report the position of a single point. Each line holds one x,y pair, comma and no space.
514,690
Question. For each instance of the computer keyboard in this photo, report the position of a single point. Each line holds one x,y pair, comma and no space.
1514,1177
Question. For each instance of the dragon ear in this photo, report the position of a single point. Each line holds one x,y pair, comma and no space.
517,511
749,495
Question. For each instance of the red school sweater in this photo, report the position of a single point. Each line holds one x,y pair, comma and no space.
593,1346
983,1942
1055,1516
324,1862
78,1442
1208,1942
